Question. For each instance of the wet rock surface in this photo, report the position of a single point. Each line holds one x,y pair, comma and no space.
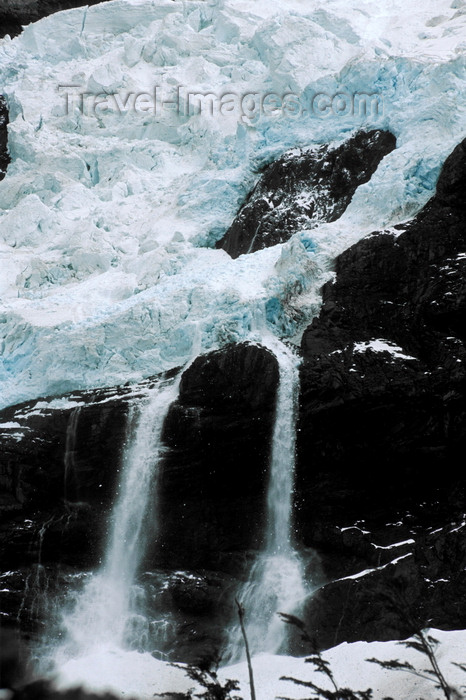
304,188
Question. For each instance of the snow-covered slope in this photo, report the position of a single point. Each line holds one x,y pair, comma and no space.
122,672
108,219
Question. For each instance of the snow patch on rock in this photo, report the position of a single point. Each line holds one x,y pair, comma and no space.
378,345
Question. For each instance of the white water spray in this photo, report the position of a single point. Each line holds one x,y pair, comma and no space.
102,618
276,579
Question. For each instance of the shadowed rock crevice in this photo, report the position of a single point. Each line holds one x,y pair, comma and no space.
304,188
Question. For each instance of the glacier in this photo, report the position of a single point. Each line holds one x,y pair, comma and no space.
108,221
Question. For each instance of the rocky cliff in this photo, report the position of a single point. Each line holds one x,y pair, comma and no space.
304,188
382,428
218,436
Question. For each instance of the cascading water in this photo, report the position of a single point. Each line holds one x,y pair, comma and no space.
275,582
103,619
70,482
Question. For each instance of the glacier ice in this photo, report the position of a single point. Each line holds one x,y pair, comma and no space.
108,221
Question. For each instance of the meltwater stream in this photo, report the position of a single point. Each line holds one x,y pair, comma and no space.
275,581
104,630
102,620
70,482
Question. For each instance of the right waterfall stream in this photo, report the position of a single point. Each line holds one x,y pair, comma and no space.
275,583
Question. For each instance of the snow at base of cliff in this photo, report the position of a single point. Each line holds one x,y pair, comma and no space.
127,673
108,218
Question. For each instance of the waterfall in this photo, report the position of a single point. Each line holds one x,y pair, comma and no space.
281,480
275,582
102,617
70,481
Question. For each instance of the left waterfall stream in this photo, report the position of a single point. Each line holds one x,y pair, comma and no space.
107,617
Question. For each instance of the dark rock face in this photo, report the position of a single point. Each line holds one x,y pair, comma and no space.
301,190
383,416
58,473
4,155
423,587
218,437
15,14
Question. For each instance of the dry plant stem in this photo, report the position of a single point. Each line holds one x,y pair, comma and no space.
431,656
246,645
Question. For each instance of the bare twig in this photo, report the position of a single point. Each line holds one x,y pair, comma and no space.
246,645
